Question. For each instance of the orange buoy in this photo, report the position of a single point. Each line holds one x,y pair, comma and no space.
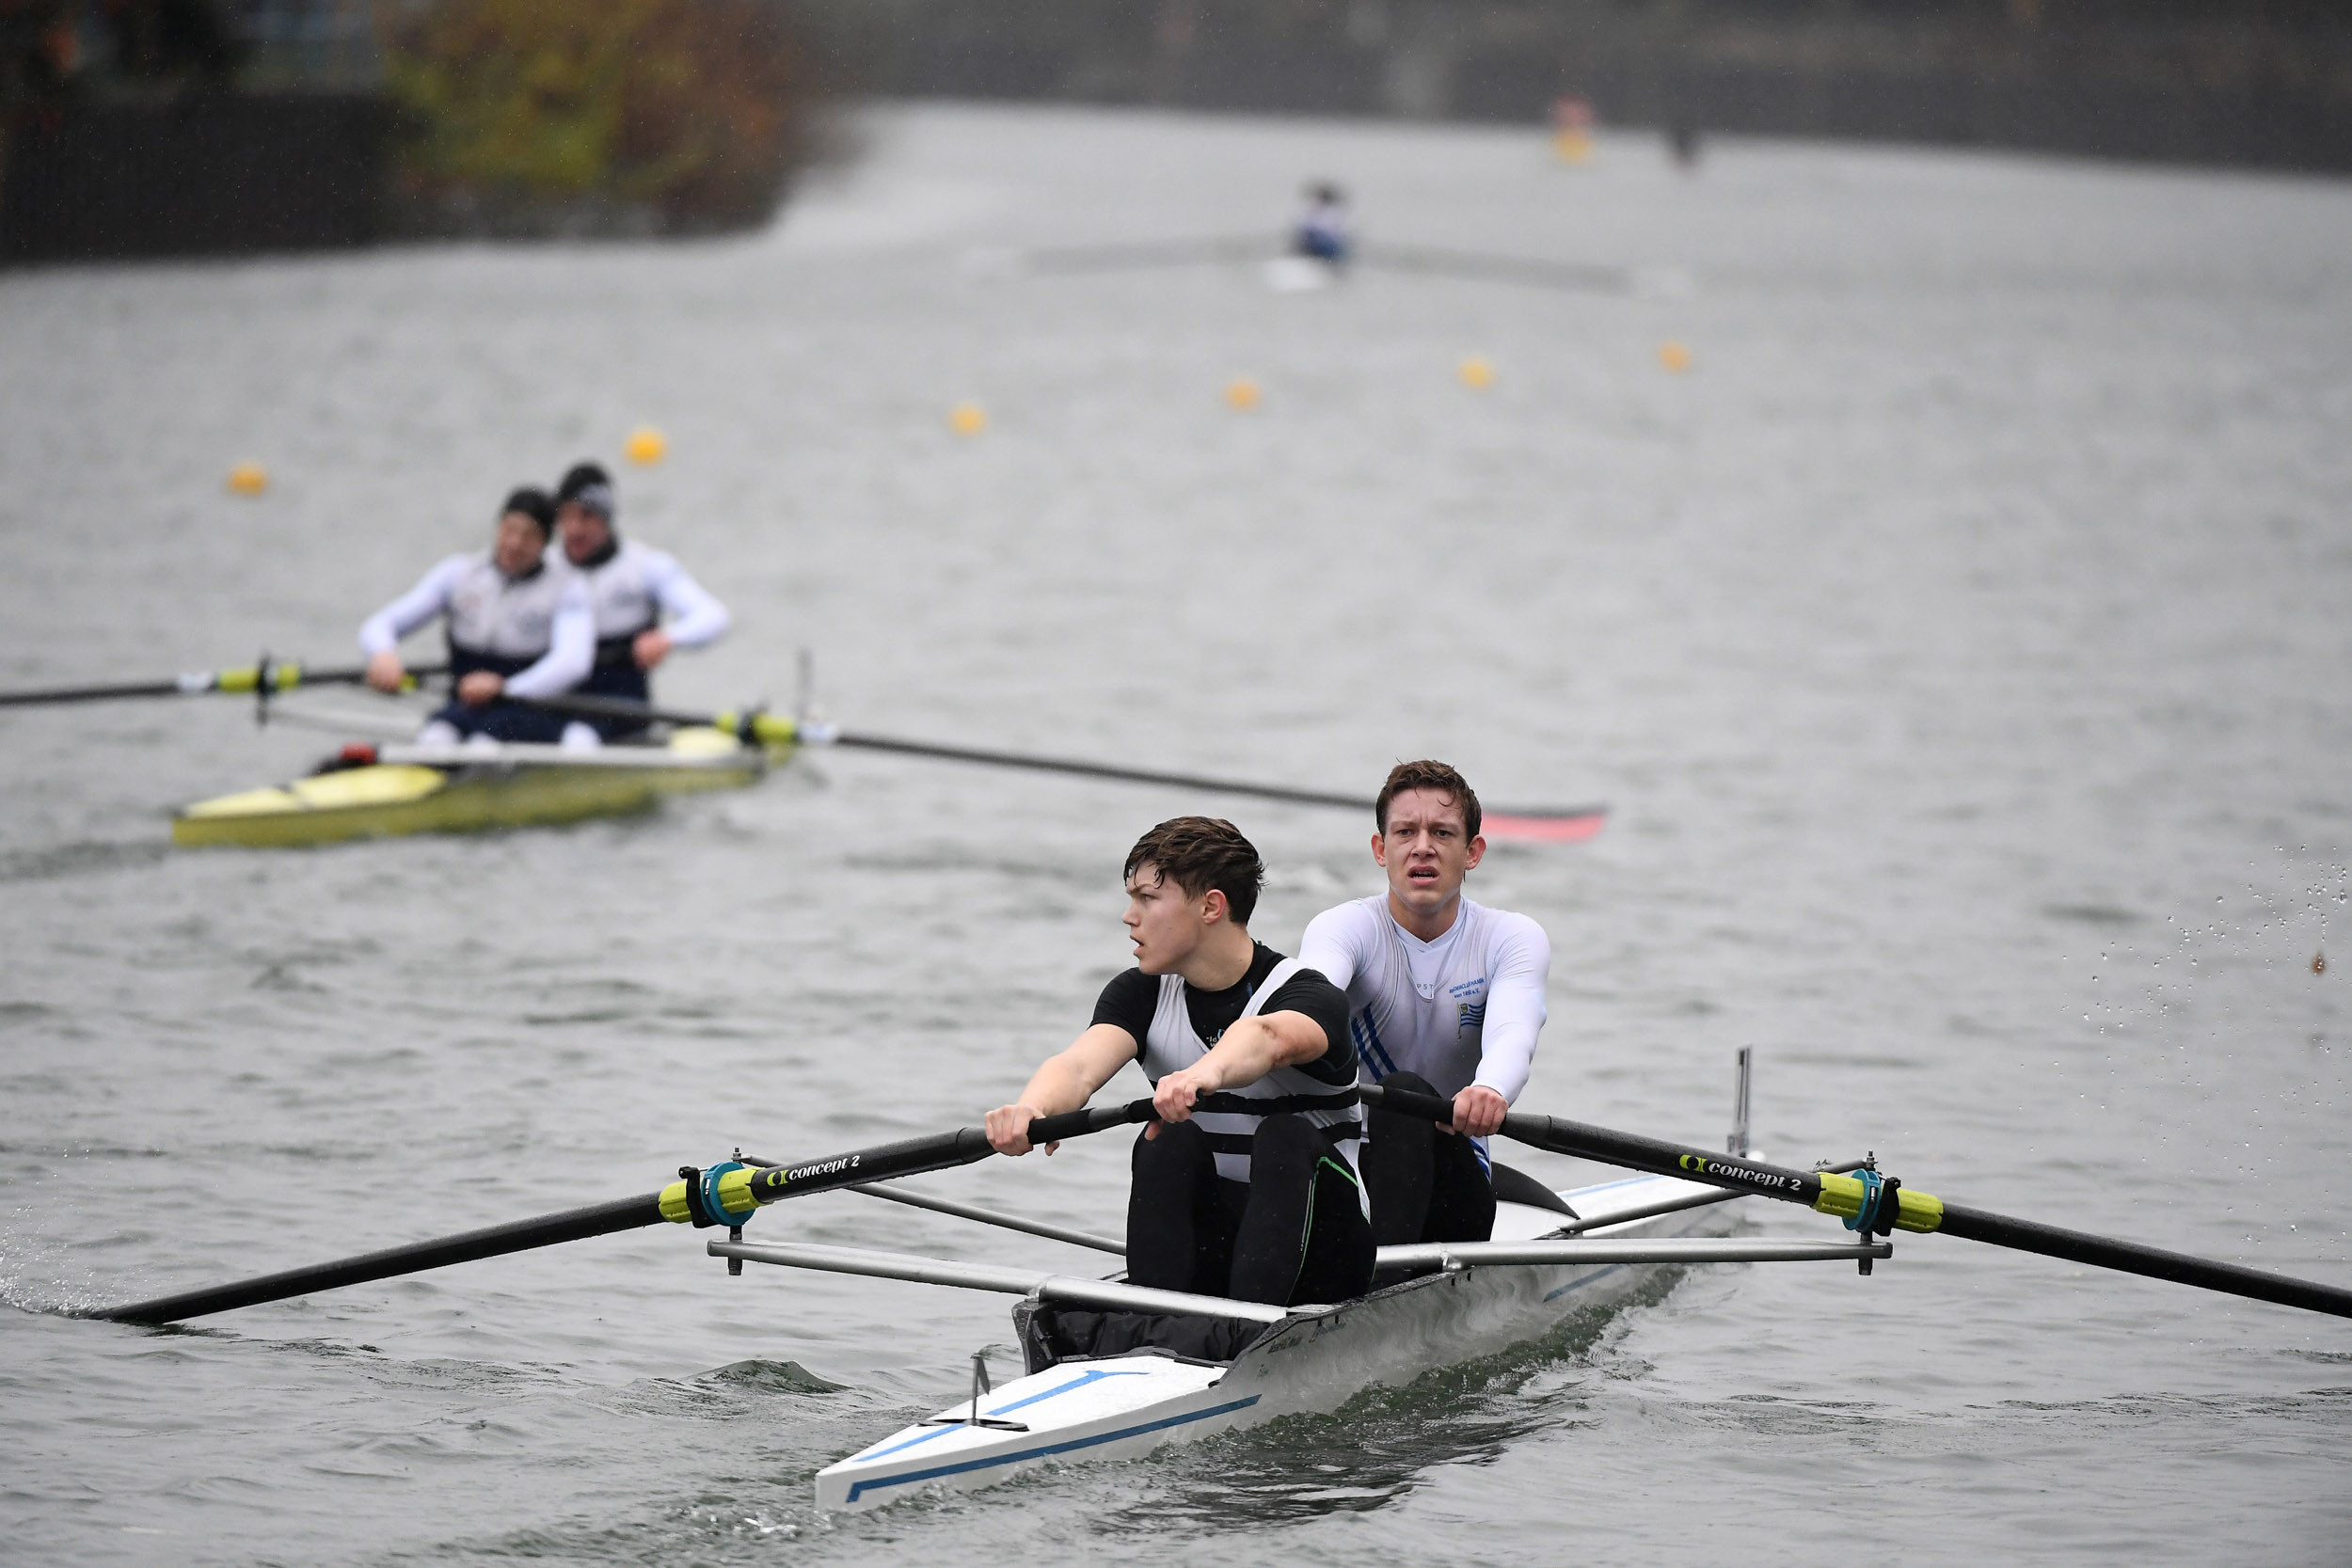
248,478
1242,393
967,418
1674,356
647,446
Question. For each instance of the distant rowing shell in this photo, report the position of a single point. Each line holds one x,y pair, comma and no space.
422,789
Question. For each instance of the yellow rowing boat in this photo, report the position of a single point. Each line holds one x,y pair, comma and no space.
443,789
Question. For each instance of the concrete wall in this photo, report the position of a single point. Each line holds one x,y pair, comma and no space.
201,173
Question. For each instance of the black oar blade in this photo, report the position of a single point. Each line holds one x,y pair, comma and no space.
573,1224
2103,1252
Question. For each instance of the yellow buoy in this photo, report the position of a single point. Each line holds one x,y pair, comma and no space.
1242,393
1674,356
967,418
248,478
1478,371
647,446
1572,147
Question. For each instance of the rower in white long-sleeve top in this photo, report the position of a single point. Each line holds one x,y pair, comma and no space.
630,588
516,627
1445,997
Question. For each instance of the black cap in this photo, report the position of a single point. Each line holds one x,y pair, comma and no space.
582,476
533,503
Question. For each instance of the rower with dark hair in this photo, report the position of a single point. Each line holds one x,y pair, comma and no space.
1247,1185
1445,998
515,629
630,587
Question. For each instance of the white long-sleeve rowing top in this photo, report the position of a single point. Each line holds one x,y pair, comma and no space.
631,591
541,621
1463,1009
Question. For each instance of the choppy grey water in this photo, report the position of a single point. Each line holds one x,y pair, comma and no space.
1962,642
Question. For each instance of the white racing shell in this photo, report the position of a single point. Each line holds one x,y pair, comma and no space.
1121,1406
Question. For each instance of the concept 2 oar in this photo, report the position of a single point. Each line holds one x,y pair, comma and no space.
1563,824
265,679
727,1193
1875,1204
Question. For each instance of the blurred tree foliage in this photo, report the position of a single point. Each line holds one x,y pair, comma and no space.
695,111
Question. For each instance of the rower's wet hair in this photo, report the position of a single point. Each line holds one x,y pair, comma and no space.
1198,853
1427,774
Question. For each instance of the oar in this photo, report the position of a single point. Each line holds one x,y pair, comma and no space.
1534,271
1871,1204
1150,253
266,678
1559,824
737,1191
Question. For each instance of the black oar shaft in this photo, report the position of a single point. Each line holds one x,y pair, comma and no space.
964,1146
1830,1192
911,1157
943,1151
1580,1140
1499,269
1100,771
248,678
2153,1262
573,1224
97,693
590,706
611,707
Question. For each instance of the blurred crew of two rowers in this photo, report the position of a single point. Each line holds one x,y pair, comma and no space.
526,620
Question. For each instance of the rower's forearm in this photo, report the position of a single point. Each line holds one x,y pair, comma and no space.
1247,1053
1056,1088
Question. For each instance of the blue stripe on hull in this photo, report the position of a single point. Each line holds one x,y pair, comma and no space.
1044,1451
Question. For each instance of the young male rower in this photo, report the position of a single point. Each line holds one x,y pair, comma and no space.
515,629
629,589
1247,1185
1445,997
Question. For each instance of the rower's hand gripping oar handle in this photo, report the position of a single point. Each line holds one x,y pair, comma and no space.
1848,1197
730,1193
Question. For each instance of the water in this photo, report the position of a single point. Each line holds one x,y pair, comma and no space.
1961,642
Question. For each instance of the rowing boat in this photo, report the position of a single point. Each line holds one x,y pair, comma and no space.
1114,1369
1462,1302
467,788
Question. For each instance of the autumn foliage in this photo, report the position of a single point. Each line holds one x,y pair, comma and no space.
693,113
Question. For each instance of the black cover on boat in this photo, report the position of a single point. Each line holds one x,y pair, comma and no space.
1516,1186
1050,1335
